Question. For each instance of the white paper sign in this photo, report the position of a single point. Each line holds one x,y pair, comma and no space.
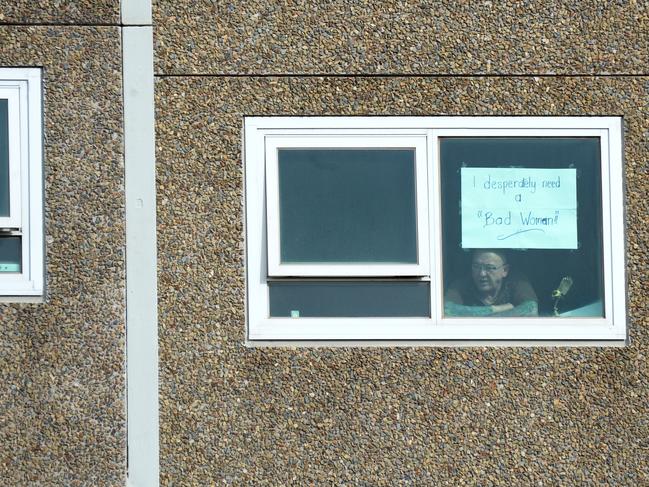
519,208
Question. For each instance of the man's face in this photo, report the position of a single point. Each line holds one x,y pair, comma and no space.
488,271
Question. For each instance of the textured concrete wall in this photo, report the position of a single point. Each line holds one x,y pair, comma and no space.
60,12
62,387
405,36
383,416
387,416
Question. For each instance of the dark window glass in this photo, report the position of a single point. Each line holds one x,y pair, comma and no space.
10,254
4,158
347,205
349,299
537,205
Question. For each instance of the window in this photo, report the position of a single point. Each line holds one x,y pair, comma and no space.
347,205
434,228
21,221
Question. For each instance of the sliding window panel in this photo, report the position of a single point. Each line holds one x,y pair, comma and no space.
522,222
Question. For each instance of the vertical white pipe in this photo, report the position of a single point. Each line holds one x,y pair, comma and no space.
141,257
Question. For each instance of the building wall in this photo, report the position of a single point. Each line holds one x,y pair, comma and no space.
62,362
60,12
383,416
357,416
401,37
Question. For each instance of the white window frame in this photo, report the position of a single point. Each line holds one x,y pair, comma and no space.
346,140
435,329
12,93
22,87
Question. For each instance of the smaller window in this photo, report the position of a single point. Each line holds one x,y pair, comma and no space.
347,205
21,221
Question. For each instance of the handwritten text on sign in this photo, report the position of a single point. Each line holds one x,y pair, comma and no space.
519,208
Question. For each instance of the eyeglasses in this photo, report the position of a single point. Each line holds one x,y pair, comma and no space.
489,268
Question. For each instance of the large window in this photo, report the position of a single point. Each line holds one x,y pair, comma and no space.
21,222
434,228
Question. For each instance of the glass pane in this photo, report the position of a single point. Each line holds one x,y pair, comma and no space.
4,158
349,299
533,205
10,254
347,205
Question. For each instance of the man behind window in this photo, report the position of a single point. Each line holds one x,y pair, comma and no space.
492,289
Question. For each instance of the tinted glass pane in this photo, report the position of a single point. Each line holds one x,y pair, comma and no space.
349,299
536,203
10,253
4,159
347,205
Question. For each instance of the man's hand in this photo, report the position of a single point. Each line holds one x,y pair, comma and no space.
499,308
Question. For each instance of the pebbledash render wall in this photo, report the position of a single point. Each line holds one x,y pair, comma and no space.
234,415
62,361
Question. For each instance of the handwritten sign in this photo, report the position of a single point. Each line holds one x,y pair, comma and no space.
519,208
